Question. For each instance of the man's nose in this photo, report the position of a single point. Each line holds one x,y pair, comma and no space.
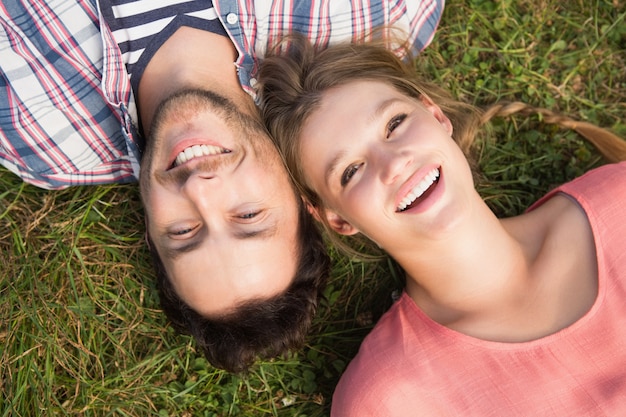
202,188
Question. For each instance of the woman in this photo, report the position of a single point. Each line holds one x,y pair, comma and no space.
516,316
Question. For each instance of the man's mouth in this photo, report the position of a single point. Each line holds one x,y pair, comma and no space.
420,191
197,151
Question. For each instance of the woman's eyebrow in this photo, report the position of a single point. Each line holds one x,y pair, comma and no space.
332,166
382,107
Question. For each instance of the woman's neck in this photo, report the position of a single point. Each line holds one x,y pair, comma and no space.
474,270
514,279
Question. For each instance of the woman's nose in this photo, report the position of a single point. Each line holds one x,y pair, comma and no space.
393,164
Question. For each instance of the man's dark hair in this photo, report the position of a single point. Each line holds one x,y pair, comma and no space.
260,328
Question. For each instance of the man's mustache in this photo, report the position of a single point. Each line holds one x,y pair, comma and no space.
203,165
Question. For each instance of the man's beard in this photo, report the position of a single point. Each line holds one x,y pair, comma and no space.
184,105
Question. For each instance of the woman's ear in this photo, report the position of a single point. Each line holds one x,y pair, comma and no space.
436,111
336,222
339,224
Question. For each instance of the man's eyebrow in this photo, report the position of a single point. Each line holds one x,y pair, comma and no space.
263,233
174,253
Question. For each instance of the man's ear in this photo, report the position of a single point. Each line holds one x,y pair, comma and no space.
437,113
339,224
146,235
312,210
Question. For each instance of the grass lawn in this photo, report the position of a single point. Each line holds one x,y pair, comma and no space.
81,332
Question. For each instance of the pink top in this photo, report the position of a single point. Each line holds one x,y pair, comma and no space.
410,365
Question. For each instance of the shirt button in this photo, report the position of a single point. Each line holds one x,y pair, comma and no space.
253,82
232,18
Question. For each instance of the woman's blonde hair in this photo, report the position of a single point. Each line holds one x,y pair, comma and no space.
295,75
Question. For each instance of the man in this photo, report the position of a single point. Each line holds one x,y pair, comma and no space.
239,263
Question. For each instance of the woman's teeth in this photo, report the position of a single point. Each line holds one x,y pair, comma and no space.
196,151
419,189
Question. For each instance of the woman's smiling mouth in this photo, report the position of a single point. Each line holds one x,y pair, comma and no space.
420,191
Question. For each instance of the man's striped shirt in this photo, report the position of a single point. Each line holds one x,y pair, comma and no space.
67,109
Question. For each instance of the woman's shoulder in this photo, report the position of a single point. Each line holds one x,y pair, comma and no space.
609,177
601,193
604,182
581,224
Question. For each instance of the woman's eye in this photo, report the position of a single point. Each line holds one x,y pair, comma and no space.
349,173
394,123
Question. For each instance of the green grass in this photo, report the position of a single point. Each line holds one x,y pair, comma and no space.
80,328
